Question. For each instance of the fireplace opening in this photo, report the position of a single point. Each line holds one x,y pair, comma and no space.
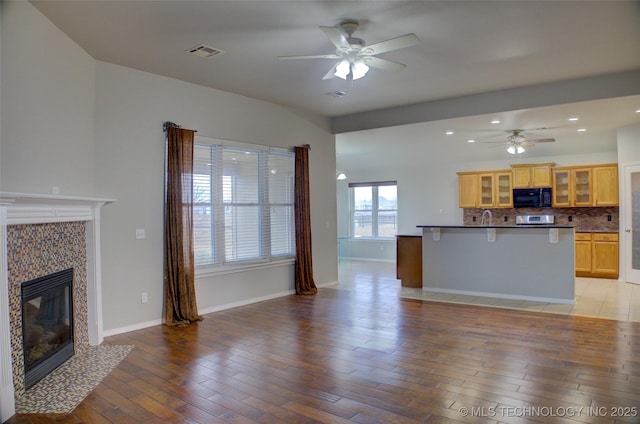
47,324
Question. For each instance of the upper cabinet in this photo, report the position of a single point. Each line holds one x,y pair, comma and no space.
605,185
595,185
572,187
503,190
531,175
467,190
488,189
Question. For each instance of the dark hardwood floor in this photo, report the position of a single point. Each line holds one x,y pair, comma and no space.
362,355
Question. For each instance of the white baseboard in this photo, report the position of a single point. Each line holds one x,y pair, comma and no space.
132,327
209,310
349,258
502,295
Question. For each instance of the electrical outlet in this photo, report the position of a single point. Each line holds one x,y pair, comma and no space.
143,297
139,233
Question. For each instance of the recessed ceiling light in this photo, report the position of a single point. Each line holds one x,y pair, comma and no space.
637,110
581,129
449,132
495,121
471,141
573,118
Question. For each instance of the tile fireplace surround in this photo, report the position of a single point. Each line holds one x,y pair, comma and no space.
35,232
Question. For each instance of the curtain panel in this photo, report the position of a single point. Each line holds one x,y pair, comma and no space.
180,306
303,268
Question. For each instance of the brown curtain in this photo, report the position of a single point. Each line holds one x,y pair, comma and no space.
179,286
304,266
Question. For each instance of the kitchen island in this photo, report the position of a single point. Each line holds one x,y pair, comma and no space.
529,262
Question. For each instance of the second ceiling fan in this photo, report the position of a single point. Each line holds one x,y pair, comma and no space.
517,143
354,56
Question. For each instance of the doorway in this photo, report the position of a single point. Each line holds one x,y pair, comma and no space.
631,243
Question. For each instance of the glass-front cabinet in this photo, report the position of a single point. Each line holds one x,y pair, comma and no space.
572,187
504,198
561,187
486,190
582,187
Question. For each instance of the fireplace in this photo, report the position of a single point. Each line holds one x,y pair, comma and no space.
40,235
47,324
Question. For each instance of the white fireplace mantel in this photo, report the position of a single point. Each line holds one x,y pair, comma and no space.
26,208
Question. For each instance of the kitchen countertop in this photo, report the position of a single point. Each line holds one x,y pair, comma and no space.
495,226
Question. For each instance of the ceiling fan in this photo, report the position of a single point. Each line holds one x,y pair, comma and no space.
517,143
354,56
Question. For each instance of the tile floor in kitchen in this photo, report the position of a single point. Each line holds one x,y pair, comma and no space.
595,297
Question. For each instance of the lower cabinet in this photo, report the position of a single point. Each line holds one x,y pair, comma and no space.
409,260
597,254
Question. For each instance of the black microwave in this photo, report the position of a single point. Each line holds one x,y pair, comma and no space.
532,197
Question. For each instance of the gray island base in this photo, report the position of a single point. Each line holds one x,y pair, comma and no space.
521,262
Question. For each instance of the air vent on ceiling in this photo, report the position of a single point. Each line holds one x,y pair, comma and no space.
205,51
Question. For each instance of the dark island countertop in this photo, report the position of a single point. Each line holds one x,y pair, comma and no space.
495,226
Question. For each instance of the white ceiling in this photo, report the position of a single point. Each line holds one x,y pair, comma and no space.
467,47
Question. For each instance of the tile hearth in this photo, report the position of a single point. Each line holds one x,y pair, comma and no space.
62,390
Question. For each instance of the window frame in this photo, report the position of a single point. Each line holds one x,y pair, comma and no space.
375,209
217,205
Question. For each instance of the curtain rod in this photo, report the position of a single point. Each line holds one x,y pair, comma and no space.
251,142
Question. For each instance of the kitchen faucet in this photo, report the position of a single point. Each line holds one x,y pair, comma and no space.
486,212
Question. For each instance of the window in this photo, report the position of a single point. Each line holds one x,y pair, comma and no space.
374,209
243,203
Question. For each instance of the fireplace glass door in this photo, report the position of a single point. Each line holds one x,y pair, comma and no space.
47,324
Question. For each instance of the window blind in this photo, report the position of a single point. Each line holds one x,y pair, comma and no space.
244,202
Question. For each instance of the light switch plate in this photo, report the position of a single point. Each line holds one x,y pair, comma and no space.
139,233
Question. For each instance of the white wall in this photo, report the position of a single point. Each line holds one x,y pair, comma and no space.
428,194
95,129
47,106
629,144
130,109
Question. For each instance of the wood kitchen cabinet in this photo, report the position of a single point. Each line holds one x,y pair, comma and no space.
503,190
572,187
409,260
591,185
487,189
531,175
605,185
467,190
597,255
583,253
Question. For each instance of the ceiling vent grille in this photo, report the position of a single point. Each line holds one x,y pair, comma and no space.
205,51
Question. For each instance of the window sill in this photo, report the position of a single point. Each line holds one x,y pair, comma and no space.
205,271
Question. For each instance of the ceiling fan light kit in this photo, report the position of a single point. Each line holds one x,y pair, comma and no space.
515,149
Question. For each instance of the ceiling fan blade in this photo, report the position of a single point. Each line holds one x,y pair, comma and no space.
384,64
541,140
315,56
401,42
336,36
331,73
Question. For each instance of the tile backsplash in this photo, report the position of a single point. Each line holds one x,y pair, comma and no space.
583,219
